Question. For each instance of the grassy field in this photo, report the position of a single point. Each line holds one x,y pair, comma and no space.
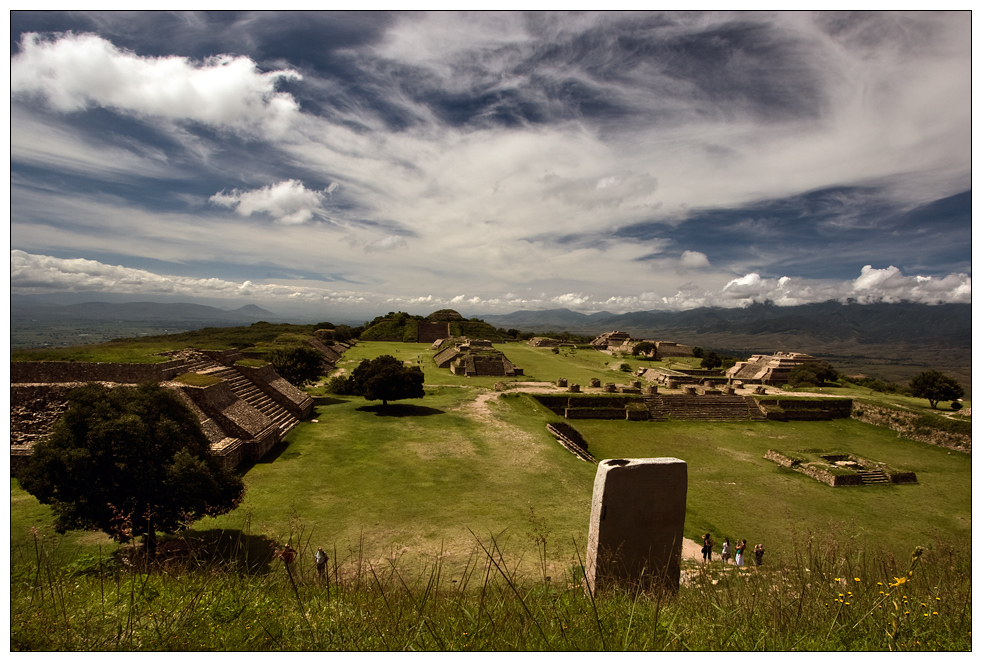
415,501
429,476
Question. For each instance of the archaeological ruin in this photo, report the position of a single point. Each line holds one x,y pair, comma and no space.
243,410
474,358
768,369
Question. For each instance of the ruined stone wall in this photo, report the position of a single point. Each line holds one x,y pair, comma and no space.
34,408
903,423
59,372
430,332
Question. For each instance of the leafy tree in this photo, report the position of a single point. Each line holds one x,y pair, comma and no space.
299,365
644,348
129,461
935,387
386,378
711,360
698,352
815,374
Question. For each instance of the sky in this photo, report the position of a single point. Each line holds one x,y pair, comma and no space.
356,163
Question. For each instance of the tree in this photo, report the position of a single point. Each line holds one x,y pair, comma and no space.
645,348
711,360
129,461
386,378
935,387
299,365
815,374
698,352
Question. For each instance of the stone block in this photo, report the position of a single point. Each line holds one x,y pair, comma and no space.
651,389
594,382
574,388
636,523
561,382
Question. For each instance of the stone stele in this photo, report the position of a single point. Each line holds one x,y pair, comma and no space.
636,523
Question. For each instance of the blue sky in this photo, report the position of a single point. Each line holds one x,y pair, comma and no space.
355,163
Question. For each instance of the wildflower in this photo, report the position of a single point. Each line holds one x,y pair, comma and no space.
856,579
897,581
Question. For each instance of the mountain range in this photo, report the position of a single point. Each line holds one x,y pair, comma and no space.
144,312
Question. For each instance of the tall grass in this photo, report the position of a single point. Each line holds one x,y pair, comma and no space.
225,596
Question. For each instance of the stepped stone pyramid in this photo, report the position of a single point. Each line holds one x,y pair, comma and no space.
244,413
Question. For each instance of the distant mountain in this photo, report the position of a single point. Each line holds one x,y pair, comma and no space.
947,325
144,312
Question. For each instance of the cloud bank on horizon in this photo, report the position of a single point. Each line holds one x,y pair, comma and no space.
492,161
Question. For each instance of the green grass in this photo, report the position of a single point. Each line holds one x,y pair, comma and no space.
735,492
405,497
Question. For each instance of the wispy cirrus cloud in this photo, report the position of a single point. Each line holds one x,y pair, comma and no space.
650,159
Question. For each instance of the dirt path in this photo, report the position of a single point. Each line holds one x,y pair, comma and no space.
481,411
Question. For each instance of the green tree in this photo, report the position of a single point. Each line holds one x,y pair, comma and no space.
711,360
645,348
386,378
935,387
300,364
129,461
814,374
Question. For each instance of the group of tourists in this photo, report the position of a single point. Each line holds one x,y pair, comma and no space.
740,550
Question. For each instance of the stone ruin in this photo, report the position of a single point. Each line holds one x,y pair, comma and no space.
768,369
475,358
622,342
544,342
637,518
611,340
244,413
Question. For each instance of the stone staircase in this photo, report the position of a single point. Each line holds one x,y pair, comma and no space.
245,389
874,477
283,421
702,408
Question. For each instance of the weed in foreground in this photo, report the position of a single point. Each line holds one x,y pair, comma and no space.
210,599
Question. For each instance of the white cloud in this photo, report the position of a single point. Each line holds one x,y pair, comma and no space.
289,202
76,71
694,260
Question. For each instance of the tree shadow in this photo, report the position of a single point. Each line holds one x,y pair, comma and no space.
326,400
242,552
400,410
229,549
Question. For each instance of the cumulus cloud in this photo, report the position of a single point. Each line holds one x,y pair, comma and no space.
72,72
693,260
289,202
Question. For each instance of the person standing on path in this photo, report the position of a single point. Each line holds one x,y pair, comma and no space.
726,551
759,554
320,558
707,548
740,549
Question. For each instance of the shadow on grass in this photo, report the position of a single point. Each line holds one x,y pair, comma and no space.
400,410
326,400
247,553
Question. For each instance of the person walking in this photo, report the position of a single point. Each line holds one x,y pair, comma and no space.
707,548
726,551
759,554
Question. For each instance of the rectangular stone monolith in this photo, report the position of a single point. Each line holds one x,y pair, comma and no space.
636,523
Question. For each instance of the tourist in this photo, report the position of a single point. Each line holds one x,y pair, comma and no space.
759,554
707,548
288,555
726,550
740,549
320,558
